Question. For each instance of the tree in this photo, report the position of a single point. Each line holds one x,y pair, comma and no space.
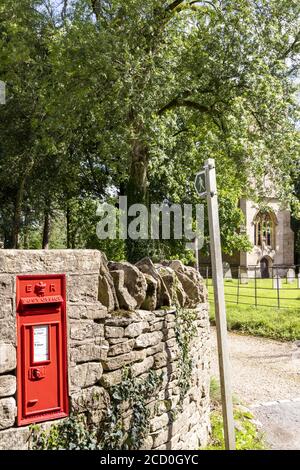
136,95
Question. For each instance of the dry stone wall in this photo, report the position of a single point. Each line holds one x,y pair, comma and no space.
119,316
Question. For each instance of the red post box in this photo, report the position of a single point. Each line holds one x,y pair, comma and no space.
42,386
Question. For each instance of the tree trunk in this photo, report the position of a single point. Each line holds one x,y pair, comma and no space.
137,191
46,230
18,204
137,183
26,231
8,239
17,214
68,217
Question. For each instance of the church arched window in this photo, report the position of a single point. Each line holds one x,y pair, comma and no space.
264,229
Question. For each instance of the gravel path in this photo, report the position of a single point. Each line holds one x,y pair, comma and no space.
266,377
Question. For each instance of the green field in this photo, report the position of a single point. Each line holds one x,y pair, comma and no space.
265,319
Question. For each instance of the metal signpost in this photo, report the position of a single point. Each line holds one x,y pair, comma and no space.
207,180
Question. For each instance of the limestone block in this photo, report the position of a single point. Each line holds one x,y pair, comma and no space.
172,350
6,308
142,367
93,398
54,261
111,378
6,286
160,422
82,330
116,340
15,439
114,332
194,292
173,285
105,293
170,317
117,362
7,412
136,329
7,385
125,299
160,360
83,288
121,348
160,437
150,301
148,339
146,266
175,264
134,280
192,282
158,326
192,440
147,444
144,315
168,334
89,352
7,357
84,311
155,349
119,320
85,375
8,330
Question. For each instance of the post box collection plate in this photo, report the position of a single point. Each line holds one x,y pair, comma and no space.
42,387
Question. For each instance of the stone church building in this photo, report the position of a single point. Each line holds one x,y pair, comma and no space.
272,237
269,230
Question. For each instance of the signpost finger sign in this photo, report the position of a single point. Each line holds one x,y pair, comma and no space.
200,184
205,184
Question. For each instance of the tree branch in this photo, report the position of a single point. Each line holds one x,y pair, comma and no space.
180,5
96,7
177,102
64,10
294,44
186,129
174,5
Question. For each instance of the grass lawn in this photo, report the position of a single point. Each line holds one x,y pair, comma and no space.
265,319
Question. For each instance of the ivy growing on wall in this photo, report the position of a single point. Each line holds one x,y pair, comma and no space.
185,332
75,433
134,393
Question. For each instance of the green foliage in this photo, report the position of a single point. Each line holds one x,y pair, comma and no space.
247,435
133,96
283,324
73,433
266,319
215,391
135,393
185,332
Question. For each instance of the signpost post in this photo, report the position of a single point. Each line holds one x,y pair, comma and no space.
207,180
